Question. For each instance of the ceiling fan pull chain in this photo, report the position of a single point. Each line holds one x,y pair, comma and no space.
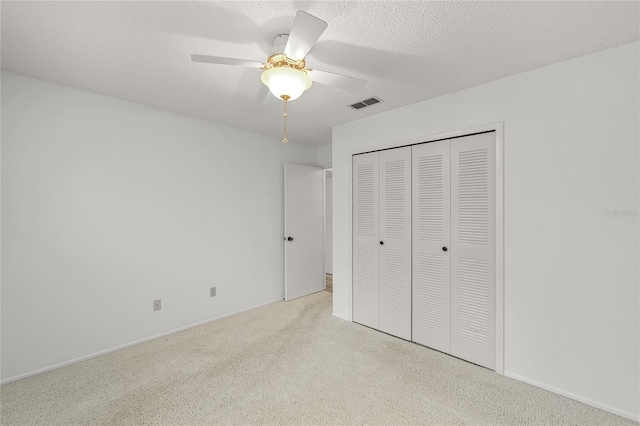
285,98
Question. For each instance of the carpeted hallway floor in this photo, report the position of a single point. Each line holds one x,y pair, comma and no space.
285,363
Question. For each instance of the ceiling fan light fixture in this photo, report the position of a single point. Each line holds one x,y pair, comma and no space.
286,81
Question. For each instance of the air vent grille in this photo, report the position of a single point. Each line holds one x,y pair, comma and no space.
366,103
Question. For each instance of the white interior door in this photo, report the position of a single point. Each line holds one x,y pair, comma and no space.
395,242
431,236
303,231
366,219
473,301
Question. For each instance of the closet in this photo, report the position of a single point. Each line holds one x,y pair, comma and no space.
424,244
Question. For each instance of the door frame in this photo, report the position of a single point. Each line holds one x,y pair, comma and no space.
324,223
498,128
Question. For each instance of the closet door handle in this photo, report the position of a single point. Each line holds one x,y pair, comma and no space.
381,243
289,239
444,249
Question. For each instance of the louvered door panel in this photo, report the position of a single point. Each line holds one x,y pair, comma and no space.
366,223
431,232
473,248
395,233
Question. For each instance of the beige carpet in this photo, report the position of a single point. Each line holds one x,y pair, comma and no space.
286,363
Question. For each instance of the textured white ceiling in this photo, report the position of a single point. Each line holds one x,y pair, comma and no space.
407,51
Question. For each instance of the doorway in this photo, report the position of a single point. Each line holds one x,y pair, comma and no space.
328,229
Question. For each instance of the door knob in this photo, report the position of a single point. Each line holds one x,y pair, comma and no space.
381,243
289,239
444,249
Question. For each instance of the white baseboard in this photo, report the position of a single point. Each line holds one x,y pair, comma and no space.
341,317
579,398
127,345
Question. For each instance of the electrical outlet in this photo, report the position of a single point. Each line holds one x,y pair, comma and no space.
212,292
157,304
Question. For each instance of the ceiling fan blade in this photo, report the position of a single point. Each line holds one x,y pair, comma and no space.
303,35
226,61
340,81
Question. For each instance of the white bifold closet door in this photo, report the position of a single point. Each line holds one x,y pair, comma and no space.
454,247
382,241
431,242
366,239
395,242
473,307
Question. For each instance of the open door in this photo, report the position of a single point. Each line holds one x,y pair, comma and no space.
303,267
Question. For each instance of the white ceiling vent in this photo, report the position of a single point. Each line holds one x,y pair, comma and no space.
366,103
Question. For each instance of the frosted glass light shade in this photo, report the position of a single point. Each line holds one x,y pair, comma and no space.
286,81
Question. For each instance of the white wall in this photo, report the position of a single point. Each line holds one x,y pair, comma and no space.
571,273
328,225
108,205
323,158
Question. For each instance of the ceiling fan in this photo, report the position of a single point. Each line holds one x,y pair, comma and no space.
285,72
